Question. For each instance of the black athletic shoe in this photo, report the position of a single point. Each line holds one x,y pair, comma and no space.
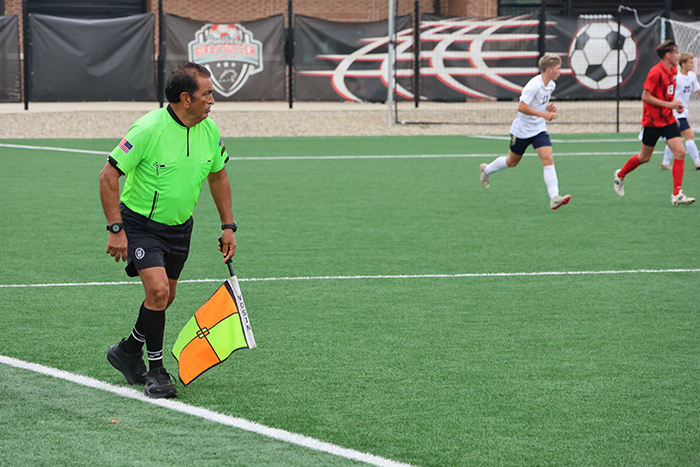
131,365
158,384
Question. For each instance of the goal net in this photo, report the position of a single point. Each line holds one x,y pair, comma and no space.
687,36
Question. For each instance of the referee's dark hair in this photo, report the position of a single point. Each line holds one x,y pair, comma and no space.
664,48
184,79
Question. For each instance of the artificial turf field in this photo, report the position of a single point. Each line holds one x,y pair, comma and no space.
417,323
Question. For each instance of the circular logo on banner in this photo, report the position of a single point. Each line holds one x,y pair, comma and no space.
593,56
140,253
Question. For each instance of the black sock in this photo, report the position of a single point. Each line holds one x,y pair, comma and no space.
154,325
137,338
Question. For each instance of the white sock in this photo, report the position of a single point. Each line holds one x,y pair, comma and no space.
668,155
550,179
496,166
692,149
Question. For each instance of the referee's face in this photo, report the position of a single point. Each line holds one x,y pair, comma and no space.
202,100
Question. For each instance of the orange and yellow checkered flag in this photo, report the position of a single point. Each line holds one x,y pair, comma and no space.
220,327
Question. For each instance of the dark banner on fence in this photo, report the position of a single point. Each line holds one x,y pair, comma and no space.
472,59
92,60
87,9
342,61
9,59
467,59
590,59
246,60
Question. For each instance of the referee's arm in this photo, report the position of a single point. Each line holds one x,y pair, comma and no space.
221,192
109,195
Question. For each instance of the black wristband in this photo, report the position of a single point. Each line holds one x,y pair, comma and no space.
233,226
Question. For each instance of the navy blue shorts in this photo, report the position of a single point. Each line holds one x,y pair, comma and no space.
650,135
518,146
152,244
683,123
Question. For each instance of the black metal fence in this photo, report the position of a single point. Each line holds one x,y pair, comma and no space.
447,70
471,70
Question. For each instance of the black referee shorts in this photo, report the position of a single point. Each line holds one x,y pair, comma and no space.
152,244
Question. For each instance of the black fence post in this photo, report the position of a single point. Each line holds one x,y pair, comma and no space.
26,46
161,55
617,88
416,53
290,52
542,30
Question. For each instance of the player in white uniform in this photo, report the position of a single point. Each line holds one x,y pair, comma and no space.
529,127
686,84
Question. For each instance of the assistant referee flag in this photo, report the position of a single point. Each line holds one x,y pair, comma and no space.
220,327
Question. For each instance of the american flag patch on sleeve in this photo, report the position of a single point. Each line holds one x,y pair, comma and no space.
125,146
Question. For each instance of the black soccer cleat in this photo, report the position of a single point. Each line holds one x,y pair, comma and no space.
131,365
158,384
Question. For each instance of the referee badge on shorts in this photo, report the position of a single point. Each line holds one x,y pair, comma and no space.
139,253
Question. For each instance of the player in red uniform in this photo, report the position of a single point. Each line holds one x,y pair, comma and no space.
658,121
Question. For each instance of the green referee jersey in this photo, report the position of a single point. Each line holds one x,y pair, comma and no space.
166,164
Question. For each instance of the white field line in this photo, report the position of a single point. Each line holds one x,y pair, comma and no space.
370,277
418,156
48,148
243,424
559,141
399,156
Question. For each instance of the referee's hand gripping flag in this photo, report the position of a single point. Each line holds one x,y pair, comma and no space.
220,327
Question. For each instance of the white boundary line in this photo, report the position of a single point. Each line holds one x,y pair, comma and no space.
409,156
416,156
559,141
395,276
241,423
47,148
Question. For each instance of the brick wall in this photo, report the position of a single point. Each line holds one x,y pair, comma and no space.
221,10
473,8
333,10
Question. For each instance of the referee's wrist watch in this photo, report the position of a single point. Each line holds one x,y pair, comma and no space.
233,226
115,227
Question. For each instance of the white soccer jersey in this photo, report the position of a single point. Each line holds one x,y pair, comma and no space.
685,86
537,96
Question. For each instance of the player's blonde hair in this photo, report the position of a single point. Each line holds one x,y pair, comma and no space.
685,56
548,61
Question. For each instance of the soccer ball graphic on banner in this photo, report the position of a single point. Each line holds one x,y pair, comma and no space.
593,55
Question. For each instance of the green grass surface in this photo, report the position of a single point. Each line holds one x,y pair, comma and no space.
586,369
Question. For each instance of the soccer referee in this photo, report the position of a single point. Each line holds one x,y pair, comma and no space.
166,155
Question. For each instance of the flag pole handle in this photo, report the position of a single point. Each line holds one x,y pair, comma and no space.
229,263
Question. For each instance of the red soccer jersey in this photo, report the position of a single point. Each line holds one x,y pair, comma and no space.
661,83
